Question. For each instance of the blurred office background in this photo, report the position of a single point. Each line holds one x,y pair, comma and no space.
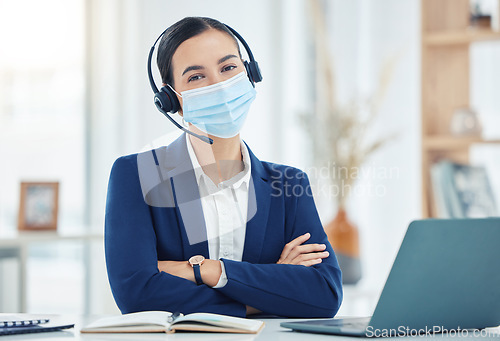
74,96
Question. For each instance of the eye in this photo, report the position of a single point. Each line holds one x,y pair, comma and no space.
195,77
228,68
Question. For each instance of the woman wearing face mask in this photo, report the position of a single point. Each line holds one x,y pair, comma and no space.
200,227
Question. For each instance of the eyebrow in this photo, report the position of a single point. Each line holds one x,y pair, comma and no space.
193,67
199,67
229,56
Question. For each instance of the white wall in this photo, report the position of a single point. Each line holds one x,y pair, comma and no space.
485,82
364,35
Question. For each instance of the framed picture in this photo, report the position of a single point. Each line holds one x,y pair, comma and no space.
39,205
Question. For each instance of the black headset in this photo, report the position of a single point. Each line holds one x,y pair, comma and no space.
166,100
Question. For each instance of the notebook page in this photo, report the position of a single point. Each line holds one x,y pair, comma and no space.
159,318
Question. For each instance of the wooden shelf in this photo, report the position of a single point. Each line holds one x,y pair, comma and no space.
452,142
446,41
459,37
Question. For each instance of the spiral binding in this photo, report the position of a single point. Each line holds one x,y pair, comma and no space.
25,323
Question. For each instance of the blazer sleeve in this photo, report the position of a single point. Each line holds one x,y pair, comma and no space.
285,289
131,256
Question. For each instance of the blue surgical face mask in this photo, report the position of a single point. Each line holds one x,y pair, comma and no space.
219,109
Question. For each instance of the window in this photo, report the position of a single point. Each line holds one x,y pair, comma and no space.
42,138
42,103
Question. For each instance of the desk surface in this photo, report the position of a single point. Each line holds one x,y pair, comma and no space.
272,331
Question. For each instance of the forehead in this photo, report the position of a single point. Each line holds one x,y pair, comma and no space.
203,49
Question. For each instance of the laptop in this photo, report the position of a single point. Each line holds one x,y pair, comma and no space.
445,278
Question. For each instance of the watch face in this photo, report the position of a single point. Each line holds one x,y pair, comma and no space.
198,259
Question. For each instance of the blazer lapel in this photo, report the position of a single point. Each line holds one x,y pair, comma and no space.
190,212
178,167
179,170
259,196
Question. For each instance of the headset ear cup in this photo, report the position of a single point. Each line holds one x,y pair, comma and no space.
249,72
253,66
168,99
162,102
253,71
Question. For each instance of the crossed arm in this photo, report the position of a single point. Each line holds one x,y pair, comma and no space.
295,252
303,283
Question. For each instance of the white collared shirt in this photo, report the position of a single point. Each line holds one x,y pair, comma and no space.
225,210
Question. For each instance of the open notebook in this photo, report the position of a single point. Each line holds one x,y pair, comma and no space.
166,322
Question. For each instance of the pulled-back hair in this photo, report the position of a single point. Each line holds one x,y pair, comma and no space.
178,33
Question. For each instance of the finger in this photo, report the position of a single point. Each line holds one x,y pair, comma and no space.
310,256
289,246
311,262
302,249
308,248
296,242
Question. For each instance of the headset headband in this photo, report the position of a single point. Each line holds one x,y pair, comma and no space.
254,72
150,73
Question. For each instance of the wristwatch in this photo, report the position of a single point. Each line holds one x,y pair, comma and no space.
196,262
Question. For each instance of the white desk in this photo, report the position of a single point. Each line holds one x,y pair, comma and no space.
16,245
271,332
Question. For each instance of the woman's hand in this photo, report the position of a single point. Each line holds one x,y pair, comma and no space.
210,270
252,310
296,253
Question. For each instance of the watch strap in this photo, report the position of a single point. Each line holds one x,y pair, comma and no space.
197,274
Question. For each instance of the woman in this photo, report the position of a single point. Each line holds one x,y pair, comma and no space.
199,227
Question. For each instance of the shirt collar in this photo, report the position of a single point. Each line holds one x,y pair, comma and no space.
242,178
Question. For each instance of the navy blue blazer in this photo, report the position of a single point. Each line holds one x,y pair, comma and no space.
144,224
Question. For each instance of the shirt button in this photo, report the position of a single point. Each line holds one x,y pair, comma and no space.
225,253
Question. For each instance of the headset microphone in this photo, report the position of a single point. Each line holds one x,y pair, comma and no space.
165,99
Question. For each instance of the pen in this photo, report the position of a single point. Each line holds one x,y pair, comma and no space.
173,317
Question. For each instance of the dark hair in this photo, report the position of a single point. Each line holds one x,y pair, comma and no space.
178,33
